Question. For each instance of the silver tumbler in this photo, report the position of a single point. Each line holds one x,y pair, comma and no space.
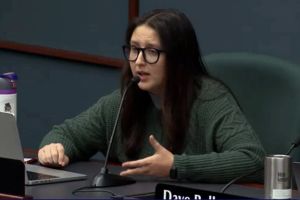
277,180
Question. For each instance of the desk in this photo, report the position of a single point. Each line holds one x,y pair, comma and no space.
144,187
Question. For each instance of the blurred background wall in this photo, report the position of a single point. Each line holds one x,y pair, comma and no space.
67,53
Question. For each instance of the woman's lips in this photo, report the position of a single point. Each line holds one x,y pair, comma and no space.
143,75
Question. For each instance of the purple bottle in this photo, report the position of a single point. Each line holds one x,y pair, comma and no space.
8,93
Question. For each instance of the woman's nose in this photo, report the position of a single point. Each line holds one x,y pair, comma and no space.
140,59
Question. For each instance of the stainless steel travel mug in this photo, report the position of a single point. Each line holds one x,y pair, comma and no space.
278,177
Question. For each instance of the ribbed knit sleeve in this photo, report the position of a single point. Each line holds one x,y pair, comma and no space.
88,132
224,145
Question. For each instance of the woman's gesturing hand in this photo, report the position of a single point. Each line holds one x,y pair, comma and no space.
159,164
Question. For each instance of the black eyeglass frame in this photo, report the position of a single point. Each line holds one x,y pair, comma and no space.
128,47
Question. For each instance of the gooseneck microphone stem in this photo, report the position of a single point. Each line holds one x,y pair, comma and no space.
238,178
291,148
115,125
103,178
294,145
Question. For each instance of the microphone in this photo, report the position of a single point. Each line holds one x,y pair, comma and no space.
104,178
293,146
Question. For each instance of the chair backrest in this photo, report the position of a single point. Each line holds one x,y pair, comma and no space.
268,90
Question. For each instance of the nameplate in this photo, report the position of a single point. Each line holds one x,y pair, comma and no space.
168,191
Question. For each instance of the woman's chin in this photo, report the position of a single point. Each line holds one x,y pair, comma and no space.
147,88
144,87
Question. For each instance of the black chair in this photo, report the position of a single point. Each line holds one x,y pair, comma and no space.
268,90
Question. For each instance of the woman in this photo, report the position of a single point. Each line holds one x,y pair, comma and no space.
195,128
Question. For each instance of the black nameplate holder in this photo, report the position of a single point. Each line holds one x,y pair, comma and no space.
168,191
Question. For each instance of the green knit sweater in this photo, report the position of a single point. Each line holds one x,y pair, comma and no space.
221,144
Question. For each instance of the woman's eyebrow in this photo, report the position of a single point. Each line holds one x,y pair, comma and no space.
146,46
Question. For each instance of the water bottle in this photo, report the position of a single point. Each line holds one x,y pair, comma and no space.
8,93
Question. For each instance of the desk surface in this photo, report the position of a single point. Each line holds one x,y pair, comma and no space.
145,186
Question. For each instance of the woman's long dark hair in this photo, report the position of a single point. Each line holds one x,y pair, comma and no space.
183,66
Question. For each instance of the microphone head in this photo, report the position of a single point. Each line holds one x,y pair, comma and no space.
135,79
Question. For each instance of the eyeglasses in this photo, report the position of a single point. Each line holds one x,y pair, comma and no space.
150,55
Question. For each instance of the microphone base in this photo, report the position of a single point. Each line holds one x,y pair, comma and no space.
106,180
